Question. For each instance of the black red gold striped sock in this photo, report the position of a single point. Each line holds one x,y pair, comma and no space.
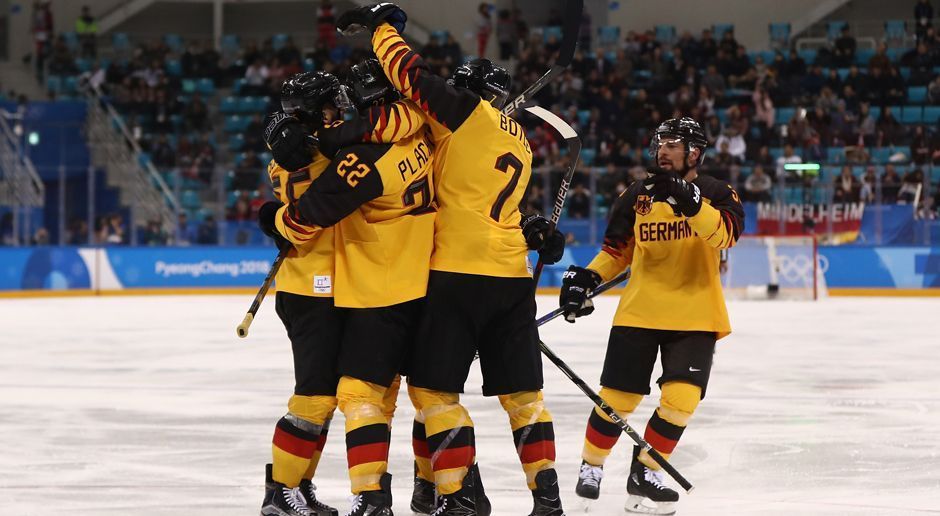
367,432
662,435
532,432
419,443
294,444
602,433
321,443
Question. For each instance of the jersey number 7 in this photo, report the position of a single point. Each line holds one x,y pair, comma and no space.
503,164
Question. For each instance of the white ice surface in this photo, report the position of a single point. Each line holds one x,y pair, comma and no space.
134,405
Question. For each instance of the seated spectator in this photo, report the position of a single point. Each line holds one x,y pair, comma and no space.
241,209
890,131
162,154
764,113
867,127
248,172
843,50
734,142
846,187
579,205
256,79
913,183
196,114
77,233
856,155
890,185
757,186
920,146
208,232
40,237
253,134
203,167
723,166
114,231
186,232
154,235
61,61
788,157
869,185
933,91
713,82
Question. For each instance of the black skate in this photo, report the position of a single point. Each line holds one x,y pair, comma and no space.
422,499
284,501
648,491
547,499
374,503
589,481
470,500
316,507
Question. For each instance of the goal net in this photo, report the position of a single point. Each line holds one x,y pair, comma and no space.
773,267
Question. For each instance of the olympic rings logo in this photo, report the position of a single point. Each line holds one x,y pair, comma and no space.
796,269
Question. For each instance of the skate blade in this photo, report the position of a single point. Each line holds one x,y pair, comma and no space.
586,505
642,505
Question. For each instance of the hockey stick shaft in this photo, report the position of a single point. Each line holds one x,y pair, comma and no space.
604,287
574,153
242,329
569,40
627,429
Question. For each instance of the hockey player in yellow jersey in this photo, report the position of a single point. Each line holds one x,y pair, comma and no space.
378,201
307,280
669,229
304,302
480,292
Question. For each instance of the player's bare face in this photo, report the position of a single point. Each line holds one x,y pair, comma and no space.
671,154
330,113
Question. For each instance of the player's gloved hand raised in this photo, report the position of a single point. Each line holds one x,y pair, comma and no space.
576,286
292,146
266,216
669,187
542,237
370,17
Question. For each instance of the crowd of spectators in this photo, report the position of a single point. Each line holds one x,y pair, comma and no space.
615,93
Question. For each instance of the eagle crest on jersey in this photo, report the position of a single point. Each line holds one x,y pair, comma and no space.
643,205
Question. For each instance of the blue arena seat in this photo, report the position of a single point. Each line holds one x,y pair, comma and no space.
206,86
174,67
895,30
779,33
834,28
190,199
719,29
863,55
553,32
71,40
783,115
880,155
120,41
174,41
608,35
229,105
808,55
236,142
912,115
834,154
83,64
666,33
931,114
278,41
917,94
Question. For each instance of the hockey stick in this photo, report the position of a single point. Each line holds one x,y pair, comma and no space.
627,429
574,152
604,287
569,39
242,329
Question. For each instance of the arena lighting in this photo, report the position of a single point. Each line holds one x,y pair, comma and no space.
33,138
801,166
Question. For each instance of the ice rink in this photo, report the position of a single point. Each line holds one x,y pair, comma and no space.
151,405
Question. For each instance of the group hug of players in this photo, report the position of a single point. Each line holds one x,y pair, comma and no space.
406,255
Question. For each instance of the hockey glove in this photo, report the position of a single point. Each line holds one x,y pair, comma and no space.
668,187
266,217
292,146
371,16
542,237
576,286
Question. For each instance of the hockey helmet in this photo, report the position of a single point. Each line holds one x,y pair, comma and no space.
368,85
684,129
305,94
490,81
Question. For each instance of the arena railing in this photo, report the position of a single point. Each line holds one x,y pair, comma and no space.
21,188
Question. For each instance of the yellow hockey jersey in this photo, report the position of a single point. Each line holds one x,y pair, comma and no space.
308,268
482,167
378,200
674,281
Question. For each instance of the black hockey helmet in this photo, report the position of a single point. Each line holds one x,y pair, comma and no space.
305,94
368,85
684,129
490,81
